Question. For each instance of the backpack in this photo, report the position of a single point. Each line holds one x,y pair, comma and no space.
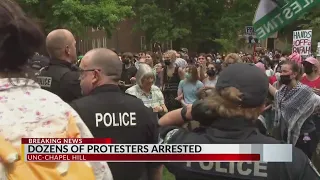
16,169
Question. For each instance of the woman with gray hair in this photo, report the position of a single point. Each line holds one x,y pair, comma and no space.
145,90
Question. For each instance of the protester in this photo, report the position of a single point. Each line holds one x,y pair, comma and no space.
296,57
189,87
312,76
201,64
149,59
61,77
181,63
268,65
312,79
228,116
150,94
26,110
231,58
209,59
171,76
108,112
128,71
158,70
295,102
212,76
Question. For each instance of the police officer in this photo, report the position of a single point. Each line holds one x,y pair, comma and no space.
38,61
227,116
61,77
109,112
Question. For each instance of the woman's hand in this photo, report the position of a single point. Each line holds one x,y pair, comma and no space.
179,98
157,109
133,80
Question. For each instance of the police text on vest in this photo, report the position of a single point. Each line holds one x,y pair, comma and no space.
116,119
44,81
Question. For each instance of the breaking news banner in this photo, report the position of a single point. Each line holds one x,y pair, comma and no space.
102,149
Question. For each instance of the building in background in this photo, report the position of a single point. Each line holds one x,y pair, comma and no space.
123,39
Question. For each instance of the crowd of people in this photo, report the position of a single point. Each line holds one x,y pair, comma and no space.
150,98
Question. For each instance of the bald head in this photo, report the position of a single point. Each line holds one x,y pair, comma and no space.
105,59
60,44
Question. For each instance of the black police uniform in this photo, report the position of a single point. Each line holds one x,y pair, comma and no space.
101,111
241,132
37,62
62,79
237,130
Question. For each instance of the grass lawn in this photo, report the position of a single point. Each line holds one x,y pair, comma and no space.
167,175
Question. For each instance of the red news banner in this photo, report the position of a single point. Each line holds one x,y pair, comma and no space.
102,149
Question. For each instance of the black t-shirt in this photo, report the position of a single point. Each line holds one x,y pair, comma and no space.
234,131
128,73
102,112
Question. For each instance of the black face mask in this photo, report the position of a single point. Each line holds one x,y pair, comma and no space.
211,72
308,69
285,79
167,62
126,61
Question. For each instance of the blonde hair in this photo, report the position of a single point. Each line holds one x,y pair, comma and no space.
172,54
226,103
231,58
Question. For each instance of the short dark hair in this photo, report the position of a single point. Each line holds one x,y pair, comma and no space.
20,37
127,55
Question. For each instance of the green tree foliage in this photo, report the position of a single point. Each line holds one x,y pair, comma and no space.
78,14
195,21
311,20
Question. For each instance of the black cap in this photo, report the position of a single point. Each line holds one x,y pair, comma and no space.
249,80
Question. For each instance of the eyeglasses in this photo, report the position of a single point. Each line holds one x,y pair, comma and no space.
82,71
86,70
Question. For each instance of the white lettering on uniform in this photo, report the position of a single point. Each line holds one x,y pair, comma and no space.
220,169
44,81
257,168
116,119
206,167
252,168
241,170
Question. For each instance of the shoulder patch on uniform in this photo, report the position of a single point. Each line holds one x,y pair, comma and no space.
44,81
169,136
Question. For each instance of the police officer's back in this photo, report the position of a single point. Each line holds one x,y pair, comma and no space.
61,77
239,98
109,112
